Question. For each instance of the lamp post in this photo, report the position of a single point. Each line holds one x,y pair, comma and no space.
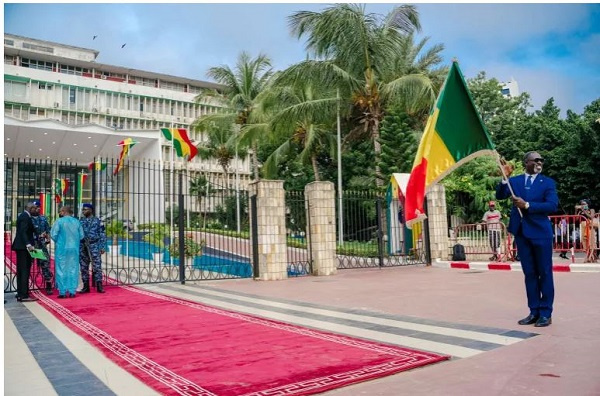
237,189
339,161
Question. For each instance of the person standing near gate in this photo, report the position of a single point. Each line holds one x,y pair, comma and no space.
494,227
41,230
67,233
92,247
534,199
22,245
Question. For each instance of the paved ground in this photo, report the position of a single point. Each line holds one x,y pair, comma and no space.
468,314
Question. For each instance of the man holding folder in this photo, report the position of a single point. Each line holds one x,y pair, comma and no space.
23,245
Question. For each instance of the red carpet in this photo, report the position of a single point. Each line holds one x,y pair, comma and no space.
182,347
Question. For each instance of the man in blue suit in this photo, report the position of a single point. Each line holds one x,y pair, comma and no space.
534,199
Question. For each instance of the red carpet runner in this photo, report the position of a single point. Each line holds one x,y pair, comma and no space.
186,348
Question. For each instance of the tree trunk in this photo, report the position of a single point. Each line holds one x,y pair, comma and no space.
255,161
313,160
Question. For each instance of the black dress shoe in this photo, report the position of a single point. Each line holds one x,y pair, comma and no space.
543,322
531,319
26,299
61,296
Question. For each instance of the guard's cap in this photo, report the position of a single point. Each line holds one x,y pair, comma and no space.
88,205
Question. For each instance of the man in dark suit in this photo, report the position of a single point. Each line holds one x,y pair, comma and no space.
22,245
534,199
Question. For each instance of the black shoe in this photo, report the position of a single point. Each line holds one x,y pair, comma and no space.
543,322
26,299
529,320
86,288
71,295
49,288
563,255
99,288
62,296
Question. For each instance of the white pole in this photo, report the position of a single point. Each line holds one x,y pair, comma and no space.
339,161
237,189
171,197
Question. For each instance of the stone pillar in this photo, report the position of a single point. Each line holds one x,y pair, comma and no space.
438,222
320,214
272,247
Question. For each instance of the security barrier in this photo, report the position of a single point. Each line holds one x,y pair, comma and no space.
483,243
576,233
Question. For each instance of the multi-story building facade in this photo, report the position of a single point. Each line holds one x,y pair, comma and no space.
61,105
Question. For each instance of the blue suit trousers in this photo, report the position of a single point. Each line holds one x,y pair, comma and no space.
536,262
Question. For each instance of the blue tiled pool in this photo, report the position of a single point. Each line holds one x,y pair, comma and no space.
211,260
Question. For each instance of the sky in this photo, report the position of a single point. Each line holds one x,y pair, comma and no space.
551,50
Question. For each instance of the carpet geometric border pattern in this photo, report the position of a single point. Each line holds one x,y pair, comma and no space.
398,358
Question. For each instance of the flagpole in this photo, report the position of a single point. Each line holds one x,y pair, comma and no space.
171,193
339,163
505,178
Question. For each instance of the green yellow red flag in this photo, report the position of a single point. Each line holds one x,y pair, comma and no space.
454,135
181,142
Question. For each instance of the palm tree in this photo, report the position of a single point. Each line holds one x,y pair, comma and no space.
241,86
200,188
219,146
364,56
300,114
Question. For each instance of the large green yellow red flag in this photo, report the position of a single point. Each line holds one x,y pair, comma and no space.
454,135
181,142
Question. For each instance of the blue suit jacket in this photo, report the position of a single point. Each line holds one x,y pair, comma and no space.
543,201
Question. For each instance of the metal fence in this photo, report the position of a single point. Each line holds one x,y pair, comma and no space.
298,253
146,210
374,233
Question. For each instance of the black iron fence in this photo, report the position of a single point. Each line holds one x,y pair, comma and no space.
147,210
374,233
297,222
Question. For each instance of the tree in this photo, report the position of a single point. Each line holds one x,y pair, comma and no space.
241,86
365,57
300,114
399,144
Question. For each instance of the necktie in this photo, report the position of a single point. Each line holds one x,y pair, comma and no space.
528,182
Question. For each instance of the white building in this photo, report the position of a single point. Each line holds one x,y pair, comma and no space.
510,89
61,105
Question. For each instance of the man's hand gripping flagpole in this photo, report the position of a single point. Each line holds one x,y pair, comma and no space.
503,164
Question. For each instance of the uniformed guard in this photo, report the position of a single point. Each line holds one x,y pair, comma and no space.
41,231
92,247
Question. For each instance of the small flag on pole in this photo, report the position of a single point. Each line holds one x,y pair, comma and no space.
181,142
61,186
126,145
82,178
99,166
454,135
45,204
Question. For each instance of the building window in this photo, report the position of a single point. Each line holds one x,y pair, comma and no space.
15,91
505,91
35,64
9,42
36,47
72,95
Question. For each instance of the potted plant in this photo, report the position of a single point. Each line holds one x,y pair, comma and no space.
156,236
192,248
114,230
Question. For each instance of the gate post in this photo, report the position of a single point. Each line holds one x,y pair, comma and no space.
270,238
437,222
320,214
